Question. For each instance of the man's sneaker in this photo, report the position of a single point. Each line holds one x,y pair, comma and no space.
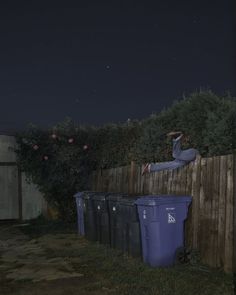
146,169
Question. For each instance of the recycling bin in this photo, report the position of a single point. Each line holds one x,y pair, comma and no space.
124,223
116,224
80,212
162,227
131,227
101,215
90,216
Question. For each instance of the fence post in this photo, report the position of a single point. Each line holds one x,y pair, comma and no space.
234,215
131,177
196,180
97,186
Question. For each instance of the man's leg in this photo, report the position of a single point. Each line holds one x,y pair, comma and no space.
153,167
166,165
188,155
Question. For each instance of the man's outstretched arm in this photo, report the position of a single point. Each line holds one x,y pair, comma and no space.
174,133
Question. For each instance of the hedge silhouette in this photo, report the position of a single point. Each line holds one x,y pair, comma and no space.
60,160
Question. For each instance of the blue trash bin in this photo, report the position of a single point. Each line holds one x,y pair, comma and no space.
162,227
129,219
124,224
90,222
102,218
80,212
116,227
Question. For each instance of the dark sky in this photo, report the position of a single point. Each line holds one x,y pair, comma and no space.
100,62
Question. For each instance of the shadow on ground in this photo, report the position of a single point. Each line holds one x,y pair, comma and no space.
40,260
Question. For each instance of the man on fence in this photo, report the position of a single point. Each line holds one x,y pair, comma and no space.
182,157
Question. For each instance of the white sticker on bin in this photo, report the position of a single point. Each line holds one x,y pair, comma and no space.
144,214
99,207
114,208
171,218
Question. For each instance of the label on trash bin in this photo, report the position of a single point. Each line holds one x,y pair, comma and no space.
171,218
99,207
144,214
114,208
170,209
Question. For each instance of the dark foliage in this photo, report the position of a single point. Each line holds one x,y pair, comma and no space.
60,160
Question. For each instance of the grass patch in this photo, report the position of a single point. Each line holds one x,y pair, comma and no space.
109,272
131,276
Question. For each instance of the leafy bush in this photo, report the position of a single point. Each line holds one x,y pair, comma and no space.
58,161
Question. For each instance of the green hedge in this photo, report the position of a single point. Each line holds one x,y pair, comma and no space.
61,166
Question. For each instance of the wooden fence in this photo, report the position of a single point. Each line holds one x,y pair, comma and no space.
211,223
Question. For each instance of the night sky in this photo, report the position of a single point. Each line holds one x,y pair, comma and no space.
100,62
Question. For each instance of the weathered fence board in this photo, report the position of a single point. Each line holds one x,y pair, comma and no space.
229,216
234,212
221,212
215,208
202,207
195,192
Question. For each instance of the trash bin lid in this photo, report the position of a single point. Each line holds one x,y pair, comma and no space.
128,200
116,196
89,195
79,195
100,196
155,200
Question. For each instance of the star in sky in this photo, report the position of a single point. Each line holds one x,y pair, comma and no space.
195,20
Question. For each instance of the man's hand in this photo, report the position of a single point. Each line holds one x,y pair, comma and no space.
174,133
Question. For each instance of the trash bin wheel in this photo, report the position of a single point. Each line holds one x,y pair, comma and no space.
182,255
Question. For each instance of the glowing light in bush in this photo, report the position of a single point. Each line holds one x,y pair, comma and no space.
71,140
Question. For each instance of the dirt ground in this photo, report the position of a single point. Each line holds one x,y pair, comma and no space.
32,266
42,259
